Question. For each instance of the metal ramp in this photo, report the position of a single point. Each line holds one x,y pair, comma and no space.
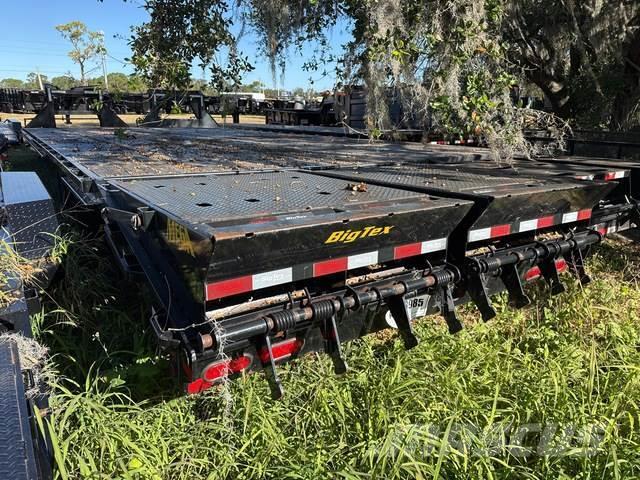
17,456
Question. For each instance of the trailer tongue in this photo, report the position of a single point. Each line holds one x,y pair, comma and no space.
260,247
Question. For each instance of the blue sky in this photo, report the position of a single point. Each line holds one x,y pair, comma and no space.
29,40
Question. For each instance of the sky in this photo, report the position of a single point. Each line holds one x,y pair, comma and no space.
30,41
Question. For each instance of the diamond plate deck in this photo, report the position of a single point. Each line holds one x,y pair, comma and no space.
445,178
511,199
109,153
215,198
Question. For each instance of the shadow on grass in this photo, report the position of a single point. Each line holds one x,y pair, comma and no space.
95,321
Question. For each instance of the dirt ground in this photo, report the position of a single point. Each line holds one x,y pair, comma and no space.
92,120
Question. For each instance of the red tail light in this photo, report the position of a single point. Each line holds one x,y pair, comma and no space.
535,273
281,350
218,370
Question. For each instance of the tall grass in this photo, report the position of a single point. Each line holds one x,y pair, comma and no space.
571,360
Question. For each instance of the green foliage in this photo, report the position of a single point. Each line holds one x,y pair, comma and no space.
580,54
64,82
181,33
570,360
85,44
11,83
33,82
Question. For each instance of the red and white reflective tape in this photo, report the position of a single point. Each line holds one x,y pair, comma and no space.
616,175
613,226
497,231
468,141
248,283
606,176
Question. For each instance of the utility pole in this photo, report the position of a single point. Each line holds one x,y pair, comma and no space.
104,72
39,79
103,51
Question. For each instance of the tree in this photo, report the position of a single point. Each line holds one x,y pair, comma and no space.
137,83
11,83
181,33
64,82
33,82
452,64
580,54
86,45
118,82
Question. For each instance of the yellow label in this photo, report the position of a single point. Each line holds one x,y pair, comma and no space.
349,236
178,236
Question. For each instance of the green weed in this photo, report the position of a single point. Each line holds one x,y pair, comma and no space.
571,360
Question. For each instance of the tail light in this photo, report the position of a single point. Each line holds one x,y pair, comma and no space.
535,273
217,370
281,350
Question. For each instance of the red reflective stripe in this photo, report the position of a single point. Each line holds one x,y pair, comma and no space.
230,287
330,266
532,274
263,220
535,272
610,176
584,214
500,230
561,265
544,222
405,251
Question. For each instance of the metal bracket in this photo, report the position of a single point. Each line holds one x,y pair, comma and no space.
549,271
448,310
575,260
277,390
511,279
109,118
139,220
477,290
400,313
166,342
332,344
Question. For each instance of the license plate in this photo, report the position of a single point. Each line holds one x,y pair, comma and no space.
416,306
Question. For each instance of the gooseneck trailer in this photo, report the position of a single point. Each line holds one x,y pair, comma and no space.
260,246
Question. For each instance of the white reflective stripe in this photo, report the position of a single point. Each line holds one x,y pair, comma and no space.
362,260
612,229
480,234
625,226
570,217
620,174
528,225
434,245
274,277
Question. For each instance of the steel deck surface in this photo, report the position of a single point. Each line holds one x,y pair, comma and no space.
109,153
449,178
536,169
213,198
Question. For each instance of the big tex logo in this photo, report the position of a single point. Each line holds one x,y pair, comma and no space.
348,236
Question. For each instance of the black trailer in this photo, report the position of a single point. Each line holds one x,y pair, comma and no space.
261,246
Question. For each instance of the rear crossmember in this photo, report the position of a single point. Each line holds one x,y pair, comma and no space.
248,342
